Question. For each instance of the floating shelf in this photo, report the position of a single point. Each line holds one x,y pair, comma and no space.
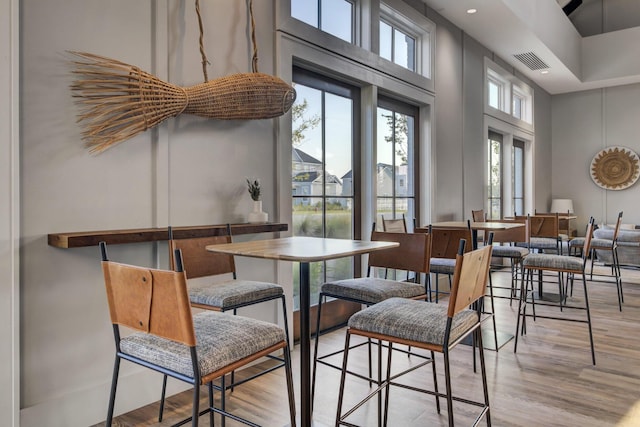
140,235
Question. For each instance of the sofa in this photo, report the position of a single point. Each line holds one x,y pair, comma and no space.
628,244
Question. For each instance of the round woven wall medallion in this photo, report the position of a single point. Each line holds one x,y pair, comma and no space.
615,168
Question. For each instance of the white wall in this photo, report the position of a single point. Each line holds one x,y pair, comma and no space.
9,215
460,130
583,124
189,171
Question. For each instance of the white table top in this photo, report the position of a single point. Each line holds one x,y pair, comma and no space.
302,249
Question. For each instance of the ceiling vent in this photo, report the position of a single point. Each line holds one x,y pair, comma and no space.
531,60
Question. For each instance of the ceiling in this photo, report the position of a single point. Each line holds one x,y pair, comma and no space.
597,46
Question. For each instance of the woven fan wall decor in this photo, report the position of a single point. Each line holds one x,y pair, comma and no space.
615,168
119,101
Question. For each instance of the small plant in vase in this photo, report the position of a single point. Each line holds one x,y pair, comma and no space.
257,215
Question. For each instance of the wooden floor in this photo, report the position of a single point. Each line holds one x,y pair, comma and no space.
550,381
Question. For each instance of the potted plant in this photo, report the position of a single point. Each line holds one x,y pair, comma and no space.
257,215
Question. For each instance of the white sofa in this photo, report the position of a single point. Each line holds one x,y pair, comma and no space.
628,244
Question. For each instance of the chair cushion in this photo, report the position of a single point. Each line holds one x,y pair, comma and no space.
442,265
225,295
509,252
543,243
555,262
372,290
413,320
222,339
576,242
601,244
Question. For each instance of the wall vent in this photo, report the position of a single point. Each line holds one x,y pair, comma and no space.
531,60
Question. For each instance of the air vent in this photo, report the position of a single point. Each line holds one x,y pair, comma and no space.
531,60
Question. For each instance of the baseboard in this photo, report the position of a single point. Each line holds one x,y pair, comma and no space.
88,406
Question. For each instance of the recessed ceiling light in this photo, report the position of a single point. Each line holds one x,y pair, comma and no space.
544,72
471,11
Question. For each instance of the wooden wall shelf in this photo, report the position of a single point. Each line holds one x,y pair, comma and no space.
140,235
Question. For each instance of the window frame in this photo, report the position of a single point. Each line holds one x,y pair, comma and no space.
510,87
408,110
400,16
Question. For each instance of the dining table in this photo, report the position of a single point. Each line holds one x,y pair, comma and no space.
304,250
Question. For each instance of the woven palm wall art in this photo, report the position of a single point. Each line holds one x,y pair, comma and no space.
615,168
119,100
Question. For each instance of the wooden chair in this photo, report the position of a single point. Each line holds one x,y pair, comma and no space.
170,340
479,216
223,295
543,232
394,225
413,254
428,326
612,246
560,264
506,247
444,247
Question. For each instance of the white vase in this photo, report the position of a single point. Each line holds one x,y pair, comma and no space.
257,215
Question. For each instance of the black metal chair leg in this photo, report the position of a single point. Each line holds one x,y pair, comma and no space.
493,313
447,376
112,394
292,400
586,302
195,413
164,391
342,377
315,353
211,412
435,381
387,388
484,377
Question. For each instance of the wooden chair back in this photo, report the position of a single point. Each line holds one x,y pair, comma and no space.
470,278
394,225
544,225
587,239
512,235
198,261
445,241
617,229
149,300
413,254
478,215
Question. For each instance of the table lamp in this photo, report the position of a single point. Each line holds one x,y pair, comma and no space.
561,206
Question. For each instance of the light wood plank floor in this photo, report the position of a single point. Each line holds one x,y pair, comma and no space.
550,381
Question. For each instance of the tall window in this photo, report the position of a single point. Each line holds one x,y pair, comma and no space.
335,17
517,177
509,95
494,184
397,46
322,181
395,164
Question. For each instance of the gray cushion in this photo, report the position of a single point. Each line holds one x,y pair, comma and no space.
576,242
233,292
555,262
442,265
412,320
509,252
601,244
221,340
372,290
543,243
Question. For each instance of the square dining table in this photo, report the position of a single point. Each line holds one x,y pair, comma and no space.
303,250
